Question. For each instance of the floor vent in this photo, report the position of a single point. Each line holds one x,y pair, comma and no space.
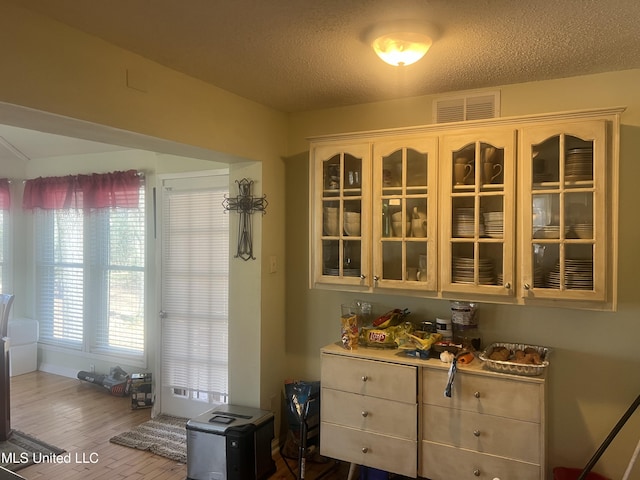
469,107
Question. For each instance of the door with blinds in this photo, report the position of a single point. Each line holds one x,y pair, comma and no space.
194,239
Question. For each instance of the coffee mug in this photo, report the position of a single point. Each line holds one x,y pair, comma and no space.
412,274
491,171
421,276
419,227
461,172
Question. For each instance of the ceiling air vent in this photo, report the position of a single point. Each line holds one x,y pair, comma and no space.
469,107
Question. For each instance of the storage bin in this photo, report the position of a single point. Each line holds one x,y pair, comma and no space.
23,345
368,473
230,442
564,473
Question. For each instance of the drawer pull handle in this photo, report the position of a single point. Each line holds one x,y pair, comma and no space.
476,394
365,449
365,378
365,413
476,472
476,433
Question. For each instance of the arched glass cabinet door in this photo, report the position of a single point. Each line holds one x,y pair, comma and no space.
341,225
405,211
478,212
564,214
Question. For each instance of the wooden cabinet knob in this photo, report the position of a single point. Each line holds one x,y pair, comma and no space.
476,433
365,378
365,449
365,413
476,394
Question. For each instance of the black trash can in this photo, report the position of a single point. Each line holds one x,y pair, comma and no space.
230,442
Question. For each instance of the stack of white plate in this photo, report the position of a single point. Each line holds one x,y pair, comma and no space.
542,177
579,164
494,224
464,223
463,271
583,230
346,272
578,275
548,231
538,277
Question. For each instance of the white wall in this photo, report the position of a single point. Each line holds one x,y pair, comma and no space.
593,377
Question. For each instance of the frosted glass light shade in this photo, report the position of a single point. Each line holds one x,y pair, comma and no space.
401,48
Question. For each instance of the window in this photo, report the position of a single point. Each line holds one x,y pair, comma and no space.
90,278
4,247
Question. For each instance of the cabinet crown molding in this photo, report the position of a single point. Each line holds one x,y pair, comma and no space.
514,121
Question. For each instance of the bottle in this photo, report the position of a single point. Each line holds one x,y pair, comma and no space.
386,221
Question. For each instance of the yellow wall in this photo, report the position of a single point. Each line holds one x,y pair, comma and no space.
48,67
60,80
593,377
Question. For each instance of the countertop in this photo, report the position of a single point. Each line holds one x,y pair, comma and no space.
395,355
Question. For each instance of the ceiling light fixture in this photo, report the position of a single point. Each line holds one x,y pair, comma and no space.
402,42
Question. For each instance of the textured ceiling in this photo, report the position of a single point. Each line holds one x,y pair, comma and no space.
296,55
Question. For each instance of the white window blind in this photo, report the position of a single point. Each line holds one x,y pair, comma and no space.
90,284
60,276
118,272
195,279
4,247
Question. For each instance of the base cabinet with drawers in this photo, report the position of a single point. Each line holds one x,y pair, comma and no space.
384,410
368,413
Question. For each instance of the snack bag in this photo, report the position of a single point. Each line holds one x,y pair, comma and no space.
349,331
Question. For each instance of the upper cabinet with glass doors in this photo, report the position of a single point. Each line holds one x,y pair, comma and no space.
519,210
564,214
478,212
405,213
341,234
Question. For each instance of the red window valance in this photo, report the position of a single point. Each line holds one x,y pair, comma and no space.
5,194
98,190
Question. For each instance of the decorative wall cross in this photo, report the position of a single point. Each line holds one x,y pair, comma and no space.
245,204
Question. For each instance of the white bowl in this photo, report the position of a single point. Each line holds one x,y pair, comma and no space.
397,228
352,228
396,217
331,227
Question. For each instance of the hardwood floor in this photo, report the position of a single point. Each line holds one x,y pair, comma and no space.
81,417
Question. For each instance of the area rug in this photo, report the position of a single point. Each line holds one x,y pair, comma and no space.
22,450
164,435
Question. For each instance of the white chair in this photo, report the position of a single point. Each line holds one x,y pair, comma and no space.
5,411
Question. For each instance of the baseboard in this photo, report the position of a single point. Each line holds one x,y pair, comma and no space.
58,370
